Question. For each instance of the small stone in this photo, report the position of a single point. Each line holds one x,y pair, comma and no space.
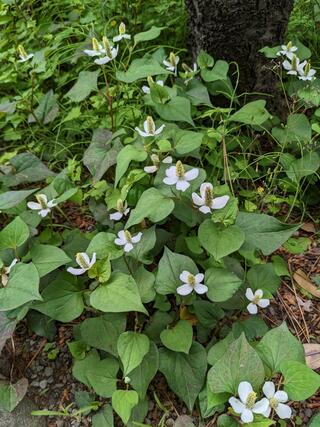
43,384
34,384
309,412
48,371
170,422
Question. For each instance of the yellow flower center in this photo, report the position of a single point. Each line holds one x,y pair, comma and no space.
260,190
122,29
172,59
256,299
191,280
95,44
128,236
120,207
81,261
307,68
294,62
208,196
251,400
150,81
22,51
179,169
289,45
42,201
273,403
106,45
150,125
155,160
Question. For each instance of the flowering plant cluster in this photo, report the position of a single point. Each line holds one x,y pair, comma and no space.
176,276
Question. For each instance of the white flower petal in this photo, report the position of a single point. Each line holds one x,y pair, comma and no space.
236,405
220,202
122,235
281,396
13,263
283,411
261,406
91,52
171,180
247,416
137,237
116,216
197,200
191,174
159,130
184,276
117,38
287,65
258,293
93,259
150,169
44,212
249,294
171,172
76,271
182,185
119,242
199,277
205,209
167,160
128,247
252,308
141,133
263,303
85,257
34,206
203,187
200,289
267,412
185,289
244,389
269,389
145,89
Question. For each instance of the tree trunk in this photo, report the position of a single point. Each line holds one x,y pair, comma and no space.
235,30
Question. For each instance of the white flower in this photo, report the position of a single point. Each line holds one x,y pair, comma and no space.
125,239
146,89
97,49
156,163
5,271
149,128
43,206
276,401
177,176
172,63
247,405
307,73
111,52
294,67
122,33
84,262
23,54
122,210
206,201
256,300
287,50
191,283
189,72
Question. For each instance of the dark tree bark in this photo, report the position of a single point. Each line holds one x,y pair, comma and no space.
235,30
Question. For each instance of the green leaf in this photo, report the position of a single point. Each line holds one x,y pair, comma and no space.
253,327
141,250
86,83
300,381
103,332
14,234
297,245
47,258
121,294
126,156
178,338
263,276
279,345
123,401
62,300
297,131
305,166
132,347
102,153
185,373
198,93
143,374
140,69
101,375
47,110
253,113
222,284
264,232
315,421
12,394
145,281
218,240
10,199
186,141
22,287
171,265
103,418
177,109
240,363
152,205
225,421
218,72
219,349
103,245
151,34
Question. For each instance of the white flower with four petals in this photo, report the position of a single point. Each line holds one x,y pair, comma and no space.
43,206
256,300
122,210
146,89
122,33
109,51
247,405
23,54
176,175
85,263
287,50
156,163
97,49
206,201
277,400
127,240
172,62
191,282
149,128
295,67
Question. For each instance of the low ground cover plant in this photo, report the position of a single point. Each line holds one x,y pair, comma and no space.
179,264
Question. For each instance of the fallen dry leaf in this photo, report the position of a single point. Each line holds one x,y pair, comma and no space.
304,282
312,353
309,227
